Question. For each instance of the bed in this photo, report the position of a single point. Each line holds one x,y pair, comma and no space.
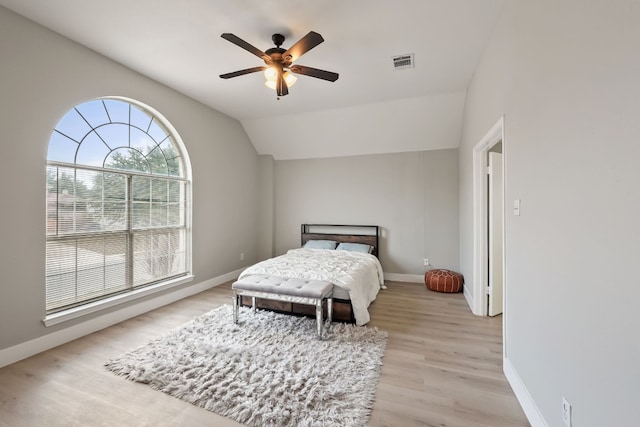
356,275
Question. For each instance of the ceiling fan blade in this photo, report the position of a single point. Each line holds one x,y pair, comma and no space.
243,72
281,86
302,46
314,72
246,46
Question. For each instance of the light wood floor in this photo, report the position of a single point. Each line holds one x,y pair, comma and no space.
442,367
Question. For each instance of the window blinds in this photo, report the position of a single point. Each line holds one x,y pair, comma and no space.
110,232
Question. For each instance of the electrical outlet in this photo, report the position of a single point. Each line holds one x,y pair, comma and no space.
242,256
426,262
566,412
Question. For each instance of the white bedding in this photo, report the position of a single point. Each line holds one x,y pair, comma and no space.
360,274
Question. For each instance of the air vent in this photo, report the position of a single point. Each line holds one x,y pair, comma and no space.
401,62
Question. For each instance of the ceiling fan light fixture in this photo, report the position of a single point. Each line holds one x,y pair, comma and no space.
270,74
289,79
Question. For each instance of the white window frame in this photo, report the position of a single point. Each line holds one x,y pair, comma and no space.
108,301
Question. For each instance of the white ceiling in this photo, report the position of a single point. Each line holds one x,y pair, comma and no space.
178,43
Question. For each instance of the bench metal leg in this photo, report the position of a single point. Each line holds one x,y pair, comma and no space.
319,317
235,307
253,303
330,309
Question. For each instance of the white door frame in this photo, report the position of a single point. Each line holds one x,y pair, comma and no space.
480,218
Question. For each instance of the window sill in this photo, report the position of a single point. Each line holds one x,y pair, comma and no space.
76,312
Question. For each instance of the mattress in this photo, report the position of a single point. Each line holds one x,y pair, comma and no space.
340,293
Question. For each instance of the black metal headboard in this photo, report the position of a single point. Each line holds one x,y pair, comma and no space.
367,234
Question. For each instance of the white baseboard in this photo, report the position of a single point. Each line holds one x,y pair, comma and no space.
29,348
468,296
522,394
397,277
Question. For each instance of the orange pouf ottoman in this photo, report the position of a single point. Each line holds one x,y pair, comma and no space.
443,281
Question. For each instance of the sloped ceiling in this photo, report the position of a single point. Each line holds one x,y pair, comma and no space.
372,108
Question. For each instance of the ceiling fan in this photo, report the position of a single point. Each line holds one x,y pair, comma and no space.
279,61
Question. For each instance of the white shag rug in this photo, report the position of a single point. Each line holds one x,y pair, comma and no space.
269,370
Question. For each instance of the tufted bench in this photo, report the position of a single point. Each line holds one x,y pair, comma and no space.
300,291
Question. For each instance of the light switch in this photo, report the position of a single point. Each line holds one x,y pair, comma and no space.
516,207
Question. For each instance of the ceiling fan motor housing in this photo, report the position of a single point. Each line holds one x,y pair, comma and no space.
275,53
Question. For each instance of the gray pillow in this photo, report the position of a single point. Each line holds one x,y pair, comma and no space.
355,247
320,244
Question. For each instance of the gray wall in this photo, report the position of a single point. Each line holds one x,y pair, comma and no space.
565,75
266,218
42,76
412,196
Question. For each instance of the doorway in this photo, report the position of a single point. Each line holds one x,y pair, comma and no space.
489,284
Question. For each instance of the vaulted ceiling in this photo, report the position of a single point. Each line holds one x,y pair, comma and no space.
371,108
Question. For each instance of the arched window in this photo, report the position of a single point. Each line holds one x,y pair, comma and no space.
118,208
